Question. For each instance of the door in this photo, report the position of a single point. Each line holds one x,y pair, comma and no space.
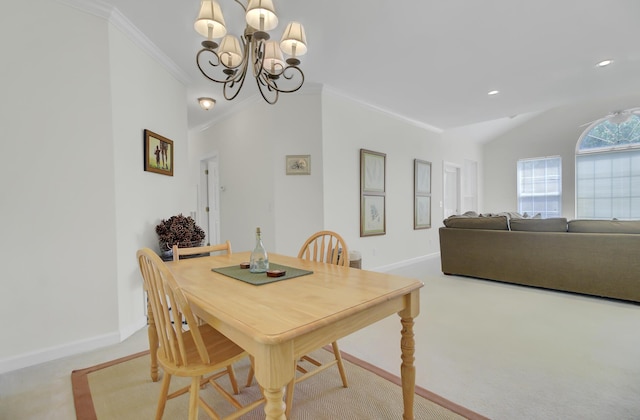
451,179
210,199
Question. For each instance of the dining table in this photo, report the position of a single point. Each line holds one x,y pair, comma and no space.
278,322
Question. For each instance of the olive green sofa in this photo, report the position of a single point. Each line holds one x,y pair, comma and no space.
591,257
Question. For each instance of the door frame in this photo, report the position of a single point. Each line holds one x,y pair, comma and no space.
451,167
209,185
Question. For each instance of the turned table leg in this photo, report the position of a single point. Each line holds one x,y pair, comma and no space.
407,369
274,407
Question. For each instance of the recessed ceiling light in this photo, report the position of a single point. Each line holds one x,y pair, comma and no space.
604,63
493,92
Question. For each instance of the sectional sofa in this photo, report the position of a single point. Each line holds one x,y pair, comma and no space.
591,257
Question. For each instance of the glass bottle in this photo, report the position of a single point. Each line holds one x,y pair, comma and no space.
259,262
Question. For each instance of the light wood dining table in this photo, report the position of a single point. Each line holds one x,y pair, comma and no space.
276,323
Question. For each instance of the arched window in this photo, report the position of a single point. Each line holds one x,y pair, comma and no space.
608,169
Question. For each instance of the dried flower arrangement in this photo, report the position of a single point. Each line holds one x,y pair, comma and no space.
180,230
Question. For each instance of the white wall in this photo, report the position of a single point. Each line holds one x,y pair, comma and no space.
332,129
58,285
251,146
551,133
144,95
349,126
75,200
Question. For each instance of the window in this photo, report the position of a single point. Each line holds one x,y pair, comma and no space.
540,186
608,170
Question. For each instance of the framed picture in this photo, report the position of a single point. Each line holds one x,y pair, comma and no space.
158,153
372,167
422,212
372,219
298,164
372,193
421,194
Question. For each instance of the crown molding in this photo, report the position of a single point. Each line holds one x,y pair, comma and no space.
121,22
310,88
236,107
385,111
313,89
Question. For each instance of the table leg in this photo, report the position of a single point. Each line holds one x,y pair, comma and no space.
274,369
274,407
153,343
407,369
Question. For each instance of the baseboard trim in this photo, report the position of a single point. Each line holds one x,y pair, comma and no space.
132,328
70,349
58,352
405,263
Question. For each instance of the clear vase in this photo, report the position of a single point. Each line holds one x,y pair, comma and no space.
259,262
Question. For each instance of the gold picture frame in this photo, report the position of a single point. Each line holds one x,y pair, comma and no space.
158,153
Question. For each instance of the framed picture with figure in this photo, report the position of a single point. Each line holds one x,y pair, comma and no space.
158,153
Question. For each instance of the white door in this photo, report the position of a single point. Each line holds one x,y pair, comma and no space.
210,199
451,178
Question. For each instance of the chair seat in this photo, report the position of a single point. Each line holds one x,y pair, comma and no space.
218,347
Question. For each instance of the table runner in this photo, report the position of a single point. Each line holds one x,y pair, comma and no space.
257,279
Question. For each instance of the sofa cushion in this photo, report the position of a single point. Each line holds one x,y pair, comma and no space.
604,226
554,224
483,222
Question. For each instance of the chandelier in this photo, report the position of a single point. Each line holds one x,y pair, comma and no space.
228,61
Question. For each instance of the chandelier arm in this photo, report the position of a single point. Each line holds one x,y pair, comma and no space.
241,5
287,73
238,79
264,84
212,64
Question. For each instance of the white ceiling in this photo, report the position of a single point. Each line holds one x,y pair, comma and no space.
429,61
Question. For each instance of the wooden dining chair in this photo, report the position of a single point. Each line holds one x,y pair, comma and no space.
329,247
197,351
177,252
207,249
325,246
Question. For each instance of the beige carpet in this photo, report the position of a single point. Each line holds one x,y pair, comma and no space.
122,389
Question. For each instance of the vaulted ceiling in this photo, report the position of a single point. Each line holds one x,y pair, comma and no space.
429,61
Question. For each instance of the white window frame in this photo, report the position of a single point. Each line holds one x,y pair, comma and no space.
551,186
612,189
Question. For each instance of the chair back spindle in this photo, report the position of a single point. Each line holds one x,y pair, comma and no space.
326,246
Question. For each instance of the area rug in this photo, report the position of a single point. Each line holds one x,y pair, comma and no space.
122,389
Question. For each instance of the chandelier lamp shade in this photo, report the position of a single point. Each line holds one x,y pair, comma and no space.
225,58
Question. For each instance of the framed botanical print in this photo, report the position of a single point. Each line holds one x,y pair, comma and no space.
372,193
373,215
158,153
421,194
372,168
